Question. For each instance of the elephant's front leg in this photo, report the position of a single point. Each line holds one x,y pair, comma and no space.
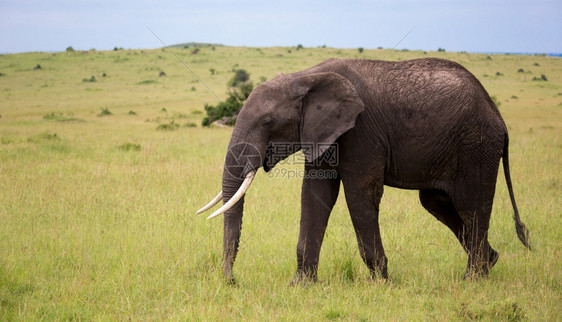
319,193
363,203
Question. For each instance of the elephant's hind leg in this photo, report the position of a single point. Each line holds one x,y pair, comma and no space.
439,204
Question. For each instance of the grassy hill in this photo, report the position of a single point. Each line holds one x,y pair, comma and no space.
103,163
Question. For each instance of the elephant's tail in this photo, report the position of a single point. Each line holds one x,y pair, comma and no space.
522,231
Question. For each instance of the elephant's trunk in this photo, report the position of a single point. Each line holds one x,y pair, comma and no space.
240,165
233,200
232,225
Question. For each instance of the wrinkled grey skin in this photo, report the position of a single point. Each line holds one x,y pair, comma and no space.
424,124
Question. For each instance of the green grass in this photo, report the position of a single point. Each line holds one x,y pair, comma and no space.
98,213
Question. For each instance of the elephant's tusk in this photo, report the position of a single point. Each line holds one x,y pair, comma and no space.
237,196
211,203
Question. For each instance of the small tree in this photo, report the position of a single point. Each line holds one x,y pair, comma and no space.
360,49
69,49
240,87
240,76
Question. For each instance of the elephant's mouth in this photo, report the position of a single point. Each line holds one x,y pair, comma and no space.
268,161
267,164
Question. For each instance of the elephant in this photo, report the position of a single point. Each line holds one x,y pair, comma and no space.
423,124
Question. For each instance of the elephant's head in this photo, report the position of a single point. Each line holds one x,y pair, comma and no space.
312,108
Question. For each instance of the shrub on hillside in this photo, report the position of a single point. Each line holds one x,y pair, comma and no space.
105,112
89,80
240,88
129,147
240,76
172,126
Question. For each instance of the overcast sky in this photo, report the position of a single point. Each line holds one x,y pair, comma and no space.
474,25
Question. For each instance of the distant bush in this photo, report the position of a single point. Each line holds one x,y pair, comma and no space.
499,74
89,80
45,136
228,109
2,74
105,112
37,67
147,82
212,71
360,49
180,116
132,113
299,47
129,147
441,49
168,126
195,51
59,117
542,78
240,76
162,74
69,49
520,70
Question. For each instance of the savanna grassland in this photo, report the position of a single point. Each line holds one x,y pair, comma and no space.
103,163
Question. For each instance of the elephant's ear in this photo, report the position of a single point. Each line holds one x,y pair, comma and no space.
330,105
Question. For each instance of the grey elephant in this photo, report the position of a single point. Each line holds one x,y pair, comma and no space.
423,124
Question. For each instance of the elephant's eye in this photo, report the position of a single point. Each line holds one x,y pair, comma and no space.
267,122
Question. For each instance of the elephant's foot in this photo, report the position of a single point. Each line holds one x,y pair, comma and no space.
494,256
230,280
228,276
304,278
377,275
475,272
378,269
